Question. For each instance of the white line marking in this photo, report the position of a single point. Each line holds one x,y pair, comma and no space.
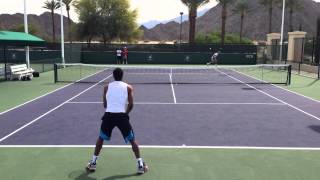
277,86
174,95
296,93
168,147
263,92
1,113
48,112
35,99
160,103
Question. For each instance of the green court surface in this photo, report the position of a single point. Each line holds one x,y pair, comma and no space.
13,93
165,164
306,86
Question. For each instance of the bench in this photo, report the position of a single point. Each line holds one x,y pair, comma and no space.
21,72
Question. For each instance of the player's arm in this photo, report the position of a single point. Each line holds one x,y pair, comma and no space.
105,89
130,99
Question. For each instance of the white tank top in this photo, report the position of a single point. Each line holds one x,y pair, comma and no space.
119,52
117,97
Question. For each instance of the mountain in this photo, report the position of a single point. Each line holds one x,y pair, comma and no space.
255,26
161,31
153,23
41,22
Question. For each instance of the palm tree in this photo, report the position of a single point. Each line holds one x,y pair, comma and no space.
68,5
193,6
52,5
241,8
224,13
292,5
269,4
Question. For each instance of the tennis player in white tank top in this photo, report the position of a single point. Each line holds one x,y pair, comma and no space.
118,103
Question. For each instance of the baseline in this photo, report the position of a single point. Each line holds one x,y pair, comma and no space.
167,147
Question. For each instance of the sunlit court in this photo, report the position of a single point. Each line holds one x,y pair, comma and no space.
107,89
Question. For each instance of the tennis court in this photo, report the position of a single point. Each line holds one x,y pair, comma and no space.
177,111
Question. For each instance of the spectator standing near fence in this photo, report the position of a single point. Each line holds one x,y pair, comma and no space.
119,54
125,53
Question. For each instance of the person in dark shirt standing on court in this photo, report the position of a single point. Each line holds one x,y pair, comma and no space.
118,103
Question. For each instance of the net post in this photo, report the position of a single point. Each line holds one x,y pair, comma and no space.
289,75
55,69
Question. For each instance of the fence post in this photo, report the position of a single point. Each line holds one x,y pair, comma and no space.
5,63
55,69
312,53
317,53
289,75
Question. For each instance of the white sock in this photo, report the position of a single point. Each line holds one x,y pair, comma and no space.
94,159
140,161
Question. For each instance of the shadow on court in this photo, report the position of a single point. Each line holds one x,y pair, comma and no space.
315,128
84,175
80,175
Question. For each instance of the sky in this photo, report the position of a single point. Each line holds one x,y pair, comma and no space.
147,9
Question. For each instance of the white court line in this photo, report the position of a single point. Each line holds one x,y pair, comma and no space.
160,103
48,112
172,88
265,93
168,147
1,113
277,86
296,93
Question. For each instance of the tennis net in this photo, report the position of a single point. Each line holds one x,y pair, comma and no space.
248,74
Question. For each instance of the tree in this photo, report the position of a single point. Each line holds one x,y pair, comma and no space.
293,5
52,5
241,8
109,19
269,4
215,38
224,13
31,28
193,6
68,5
88,25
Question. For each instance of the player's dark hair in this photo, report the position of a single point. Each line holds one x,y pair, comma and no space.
118,74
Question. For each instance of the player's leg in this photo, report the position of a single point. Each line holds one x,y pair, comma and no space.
107,126
210,62
98,147
142,166
135,148
128,135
